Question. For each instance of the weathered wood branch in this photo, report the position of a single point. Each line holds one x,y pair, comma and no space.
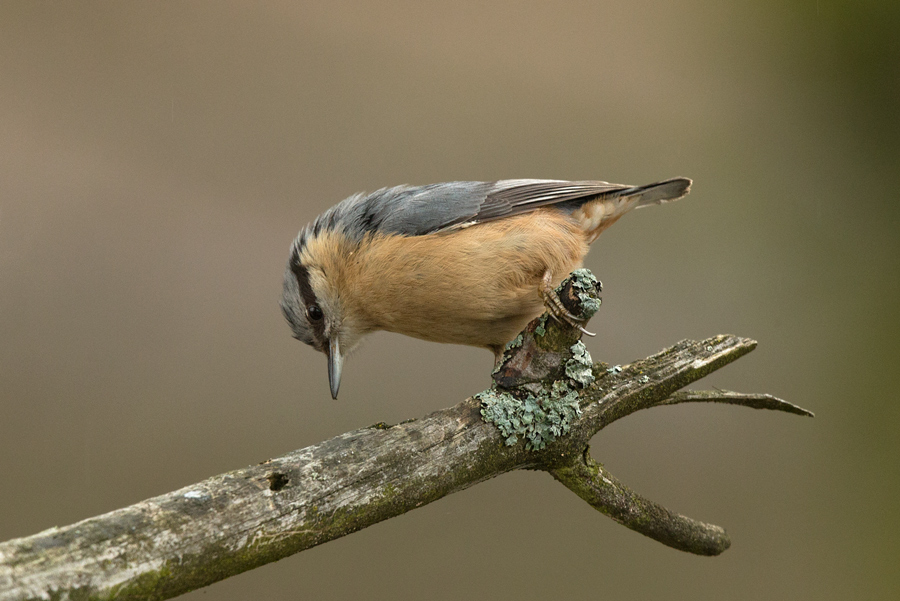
593,483
184,540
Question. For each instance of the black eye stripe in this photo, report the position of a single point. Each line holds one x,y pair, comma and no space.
309,297
302,274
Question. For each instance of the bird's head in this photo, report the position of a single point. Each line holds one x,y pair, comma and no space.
316,300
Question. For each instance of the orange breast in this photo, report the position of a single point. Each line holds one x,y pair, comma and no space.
476,285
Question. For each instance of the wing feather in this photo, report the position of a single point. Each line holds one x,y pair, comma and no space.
420,210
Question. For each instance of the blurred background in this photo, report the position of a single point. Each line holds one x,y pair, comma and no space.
157,159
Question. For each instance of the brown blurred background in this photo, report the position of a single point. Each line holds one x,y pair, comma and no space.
157,159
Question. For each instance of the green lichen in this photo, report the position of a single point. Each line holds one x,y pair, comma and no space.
579,367
515,342
585,286
541,415
538,419
541,327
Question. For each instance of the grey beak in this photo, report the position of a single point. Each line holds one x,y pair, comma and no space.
335,363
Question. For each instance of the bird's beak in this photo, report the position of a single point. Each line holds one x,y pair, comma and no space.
335,363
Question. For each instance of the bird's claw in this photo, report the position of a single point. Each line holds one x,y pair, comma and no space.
555,307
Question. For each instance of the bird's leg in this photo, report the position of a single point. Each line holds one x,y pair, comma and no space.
555,307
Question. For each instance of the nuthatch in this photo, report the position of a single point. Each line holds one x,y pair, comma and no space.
460,262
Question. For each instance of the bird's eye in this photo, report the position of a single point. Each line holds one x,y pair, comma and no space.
314,312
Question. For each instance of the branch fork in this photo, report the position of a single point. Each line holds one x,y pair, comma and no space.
546,347
205,532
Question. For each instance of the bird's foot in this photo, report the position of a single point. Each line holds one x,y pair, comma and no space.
555,307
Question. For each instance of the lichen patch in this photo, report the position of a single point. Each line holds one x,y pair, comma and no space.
539,419
578,368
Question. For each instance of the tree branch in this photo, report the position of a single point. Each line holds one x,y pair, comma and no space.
590,481
183,540
754,401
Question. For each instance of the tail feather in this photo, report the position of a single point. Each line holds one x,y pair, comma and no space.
598,214
669,190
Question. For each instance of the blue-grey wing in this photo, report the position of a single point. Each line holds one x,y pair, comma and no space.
419,210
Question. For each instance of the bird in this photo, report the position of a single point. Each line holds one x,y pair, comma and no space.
462,262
